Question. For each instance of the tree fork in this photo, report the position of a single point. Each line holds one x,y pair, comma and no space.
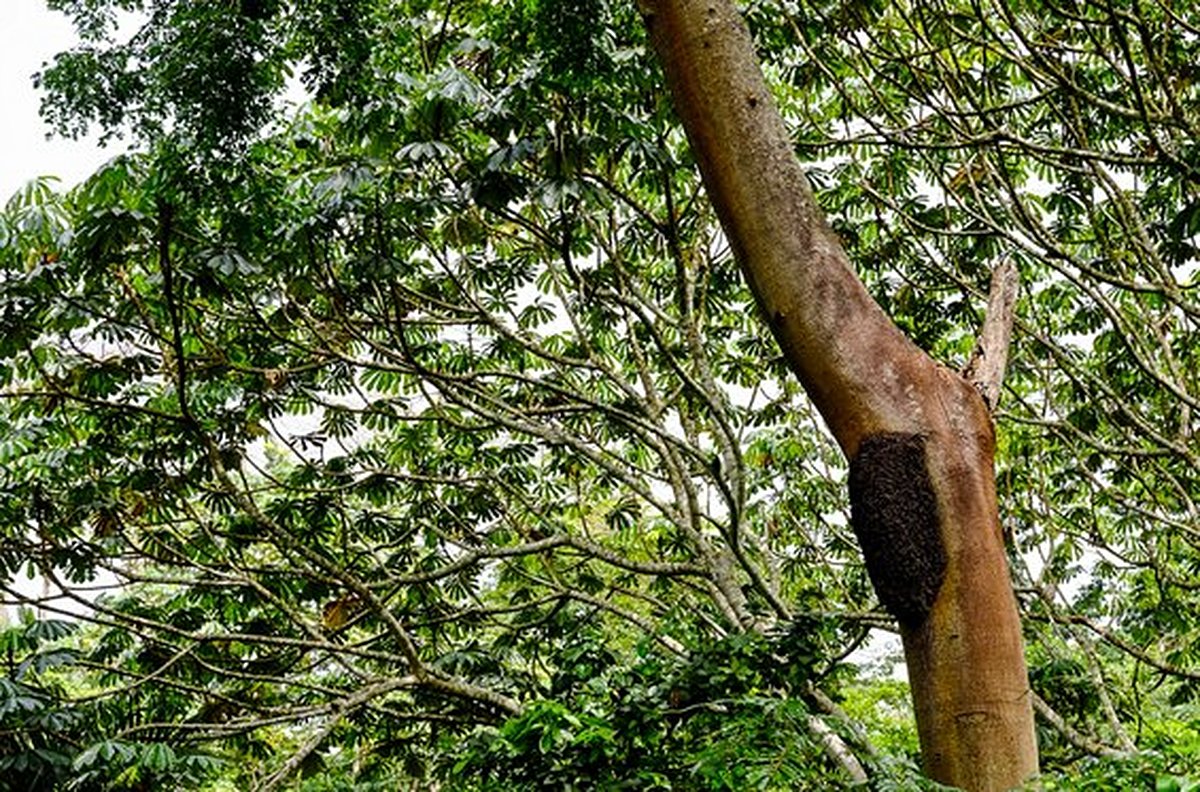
907,424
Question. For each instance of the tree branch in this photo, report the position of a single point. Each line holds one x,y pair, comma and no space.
986,368
1072,735
837,750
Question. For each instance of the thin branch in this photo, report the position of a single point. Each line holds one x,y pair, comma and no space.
837,750
1070,733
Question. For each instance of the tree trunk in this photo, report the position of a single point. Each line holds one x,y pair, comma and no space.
918,436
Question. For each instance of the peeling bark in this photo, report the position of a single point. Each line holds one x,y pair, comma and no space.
962,636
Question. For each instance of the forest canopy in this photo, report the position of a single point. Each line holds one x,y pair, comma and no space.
426,435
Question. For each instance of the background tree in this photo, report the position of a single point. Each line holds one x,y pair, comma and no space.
429,432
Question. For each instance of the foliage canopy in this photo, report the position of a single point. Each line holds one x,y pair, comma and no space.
427,431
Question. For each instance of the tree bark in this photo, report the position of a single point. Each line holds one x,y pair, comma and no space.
918,436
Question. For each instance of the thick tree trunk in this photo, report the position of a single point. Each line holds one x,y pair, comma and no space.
919,437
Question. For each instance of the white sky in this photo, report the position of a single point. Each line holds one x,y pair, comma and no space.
30,35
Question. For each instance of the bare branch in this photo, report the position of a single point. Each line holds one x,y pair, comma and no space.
837,750
986,368
1071,734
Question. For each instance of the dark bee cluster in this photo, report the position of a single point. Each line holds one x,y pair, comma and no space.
894,512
